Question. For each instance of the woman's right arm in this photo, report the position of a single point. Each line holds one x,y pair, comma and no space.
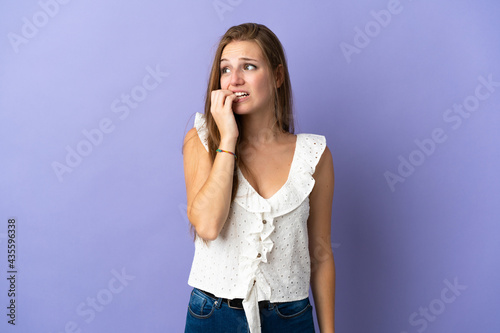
209,186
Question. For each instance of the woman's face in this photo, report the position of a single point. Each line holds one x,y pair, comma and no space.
244,71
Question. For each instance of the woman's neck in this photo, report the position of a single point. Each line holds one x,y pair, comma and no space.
259,128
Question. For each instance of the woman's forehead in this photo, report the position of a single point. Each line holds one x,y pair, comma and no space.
242,49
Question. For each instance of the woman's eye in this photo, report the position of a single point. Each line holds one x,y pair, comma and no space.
224,70
250,66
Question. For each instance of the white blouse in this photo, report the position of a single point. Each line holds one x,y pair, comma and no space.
262,251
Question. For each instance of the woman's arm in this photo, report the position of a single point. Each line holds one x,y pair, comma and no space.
208,187
320,250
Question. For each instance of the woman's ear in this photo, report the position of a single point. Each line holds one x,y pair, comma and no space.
279,75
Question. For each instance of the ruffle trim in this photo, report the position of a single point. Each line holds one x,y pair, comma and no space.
256,285
201,128
298,186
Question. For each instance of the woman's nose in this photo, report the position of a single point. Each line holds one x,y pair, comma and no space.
236,78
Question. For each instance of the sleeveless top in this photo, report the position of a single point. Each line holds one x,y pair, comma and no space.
262,251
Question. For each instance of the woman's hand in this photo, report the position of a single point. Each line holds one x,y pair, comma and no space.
222,110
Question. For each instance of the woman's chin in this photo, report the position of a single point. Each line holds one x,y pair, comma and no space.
240,111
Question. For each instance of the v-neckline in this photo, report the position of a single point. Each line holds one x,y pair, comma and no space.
287,180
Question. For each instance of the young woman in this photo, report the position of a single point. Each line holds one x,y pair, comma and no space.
259,198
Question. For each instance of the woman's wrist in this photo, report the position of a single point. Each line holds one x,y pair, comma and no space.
227,152
228,144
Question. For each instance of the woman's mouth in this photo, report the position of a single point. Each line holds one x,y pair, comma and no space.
241,96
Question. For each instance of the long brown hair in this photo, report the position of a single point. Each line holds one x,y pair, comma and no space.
274,55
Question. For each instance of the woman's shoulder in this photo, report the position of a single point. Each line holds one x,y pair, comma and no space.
311,148
199,118
200,127
312,140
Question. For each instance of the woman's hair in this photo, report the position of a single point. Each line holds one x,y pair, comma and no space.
274,56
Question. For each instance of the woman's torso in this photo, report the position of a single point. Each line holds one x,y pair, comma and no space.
262,250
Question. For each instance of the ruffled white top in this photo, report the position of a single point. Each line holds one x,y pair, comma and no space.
262,251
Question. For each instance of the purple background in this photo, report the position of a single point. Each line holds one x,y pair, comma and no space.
122,207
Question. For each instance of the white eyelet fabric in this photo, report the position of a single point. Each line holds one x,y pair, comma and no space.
262,251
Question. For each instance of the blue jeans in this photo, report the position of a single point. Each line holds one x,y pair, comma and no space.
206,315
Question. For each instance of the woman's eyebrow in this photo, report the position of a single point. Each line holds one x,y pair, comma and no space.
246,59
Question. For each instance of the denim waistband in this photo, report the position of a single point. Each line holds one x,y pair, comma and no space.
235,303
